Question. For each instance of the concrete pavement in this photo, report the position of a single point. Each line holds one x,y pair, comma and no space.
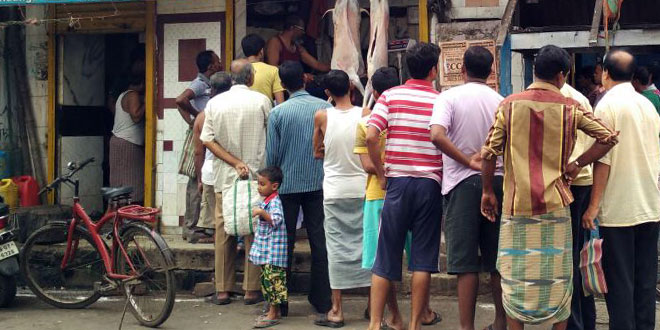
190,313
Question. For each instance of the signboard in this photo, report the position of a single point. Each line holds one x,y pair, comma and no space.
47,2
451,62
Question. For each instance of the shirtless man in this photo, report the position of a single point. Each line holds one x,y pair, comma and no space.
284,47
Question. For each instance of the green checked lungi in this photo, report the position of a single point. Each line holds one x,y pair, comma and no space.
535,261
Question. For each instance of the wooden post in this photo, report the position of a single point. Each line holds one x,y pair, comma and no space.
423,21
229,33
52,98
150,109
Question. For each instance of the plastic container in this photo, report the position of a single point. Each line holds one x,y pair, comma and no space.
5,171
28,190
9,192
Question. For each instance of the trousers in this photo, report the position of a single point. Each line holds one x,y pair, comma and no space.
630,263
225,257
312,206
583,309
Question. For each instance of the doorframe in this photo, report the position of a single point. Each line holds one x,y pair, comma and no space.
150,96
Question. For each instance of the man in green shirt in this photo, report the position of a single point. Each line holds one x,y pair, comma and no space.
641,81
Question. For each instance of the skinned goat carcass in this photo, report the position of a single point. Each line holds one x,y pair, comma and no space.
346,55
377,57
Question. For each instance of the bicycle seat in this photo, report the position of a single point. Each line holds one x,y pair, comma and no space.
116,193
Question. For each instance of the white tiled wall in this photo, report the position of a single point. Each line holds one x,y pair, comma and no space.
170,186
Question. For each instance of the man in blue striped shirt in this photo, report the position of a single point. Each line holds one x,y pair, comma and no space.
289,147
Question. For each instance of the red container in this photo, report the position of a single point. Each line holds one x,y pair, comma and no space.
28,190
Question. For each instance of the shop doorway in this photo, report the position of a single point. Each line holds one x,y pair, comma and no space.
92,71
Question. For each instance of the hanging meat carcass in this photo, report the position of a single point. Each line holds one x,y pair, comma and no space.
346,53
377,55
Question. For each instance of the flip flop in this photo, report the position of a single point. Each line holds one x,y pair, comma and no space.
324,322
437,318
216,301
266,323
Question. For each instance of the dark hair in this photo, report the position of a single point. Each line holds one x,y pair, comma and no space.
137,54
384,79
550,61
135,80
642,75
273,173
252,44
337,83
293,20
292,75
421,59
478,62
204,60
617,69
587,72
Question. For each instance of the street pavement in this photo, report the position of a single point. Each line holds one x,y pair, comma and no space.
191,313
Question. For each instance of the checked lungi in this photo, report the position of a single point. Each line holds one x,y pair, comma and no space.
535,261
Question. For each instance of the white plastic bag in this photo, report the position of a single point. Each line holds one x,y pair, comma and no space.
237,203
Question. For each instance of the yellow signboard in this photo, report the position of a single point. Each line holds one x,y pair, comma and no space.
451,62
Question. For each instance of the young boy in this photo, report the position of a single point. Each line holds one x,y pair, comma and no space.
269,249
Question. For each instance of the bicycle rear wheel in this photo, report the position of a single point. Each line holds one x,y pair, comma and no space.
151,293
69,287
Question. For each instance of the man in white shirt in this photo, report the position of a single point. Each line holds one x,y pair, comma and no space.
235,132
625,197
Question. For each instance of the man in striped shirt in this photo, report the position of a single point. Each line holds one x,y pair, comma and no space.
536,131
289,147
413,167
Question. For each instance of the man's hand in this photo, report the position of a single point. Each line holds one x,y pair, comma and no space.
572,171
308,78
588,218
489,206
383,182
200,186
242,170
475,162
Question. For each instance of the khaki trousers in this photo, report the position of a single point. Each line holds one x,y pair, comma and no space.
207,208
225,257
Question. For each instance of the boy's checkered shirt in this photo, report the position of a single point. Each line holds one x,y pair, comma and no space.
270,242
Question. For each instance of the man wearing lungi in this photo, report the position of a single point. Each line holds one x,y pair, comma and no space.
343,193
625,198
536,131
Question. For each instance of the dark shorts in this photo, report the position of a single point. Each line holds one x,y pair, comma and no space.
471,238
413,204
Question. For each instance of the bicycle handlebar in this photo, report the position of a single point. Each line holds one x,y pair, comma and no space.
67,177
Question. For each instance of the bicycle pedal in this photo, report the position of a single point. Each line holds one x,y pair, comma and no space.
107,289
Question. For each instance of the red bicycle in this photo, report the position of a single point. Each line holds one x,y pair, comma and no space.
69,264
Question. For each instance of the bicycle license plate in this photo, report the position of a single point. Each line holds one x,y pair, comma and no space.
8,250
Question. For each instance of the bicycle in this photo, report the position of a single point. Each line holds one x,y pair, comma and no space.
69,264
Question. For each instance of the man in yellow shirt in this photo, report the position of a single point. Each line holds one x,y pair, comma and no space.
266,77
625,197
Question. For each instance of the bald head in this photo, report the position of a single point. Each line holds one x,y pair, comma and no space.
242,72
619,66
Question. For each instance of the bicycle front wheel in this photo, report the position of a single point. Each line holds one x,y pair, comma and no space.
151,293
41,263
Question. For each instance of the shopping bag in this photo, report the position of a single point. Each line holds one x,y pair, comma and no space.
237,203
187,160
593,278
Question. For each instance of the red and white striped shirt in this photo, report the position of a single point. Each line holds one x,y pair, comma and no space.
405,111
